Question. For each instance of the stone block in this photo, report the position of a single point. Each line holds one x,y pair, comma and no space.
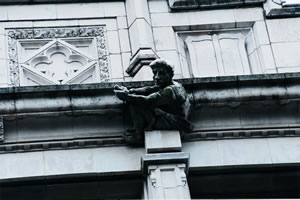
110,24
118,159
126,60
284,150
203,153
165,158
287,54
124,40
77,10
55,23
96,125
10,130
158,6
116,66
284,30
248,14
170,19
4,77
142,58
26,12
288,69
76,161
140,34
218,17
254,63
37,128
244,152
164,38
113,42
266,57
261,33
113,9
22,165
122,22
162,141
137,9
173,58
3,14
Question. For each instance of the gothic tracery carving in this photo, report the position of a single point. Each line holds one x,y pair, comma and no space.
96,32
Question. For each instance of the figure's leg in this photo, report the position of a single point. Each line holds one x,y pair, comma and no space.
142,118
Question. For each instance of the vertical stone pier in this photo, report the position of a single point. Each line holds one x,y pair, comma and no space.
165,166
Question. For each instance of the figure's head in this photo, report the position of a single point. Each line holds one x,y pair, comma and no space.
163,72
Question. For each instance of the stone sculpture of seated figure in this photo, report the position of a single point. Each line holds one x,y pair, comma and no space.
163,106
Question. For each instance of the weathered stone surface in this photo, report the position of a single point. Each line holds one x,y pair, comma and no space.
191,4
162,141
284,12
166,182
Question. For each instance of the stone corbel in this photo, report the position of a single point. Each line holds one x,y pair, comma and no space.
1,129
143,56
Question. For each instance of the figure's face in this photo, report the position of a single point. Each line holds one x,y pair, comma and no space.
161,76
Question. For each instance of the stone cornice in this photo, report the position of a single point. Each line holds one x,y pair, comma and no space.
10,2
177,5
283,12
90,97
117,140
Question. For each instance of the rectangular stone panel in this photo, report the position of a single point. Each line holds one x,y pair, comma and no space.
162,141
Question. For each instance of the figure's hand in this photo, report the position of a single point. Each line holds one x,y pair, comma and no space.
122,94
120,87
132,91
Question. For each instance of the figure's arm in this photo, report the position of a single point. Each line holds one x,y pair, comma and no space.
155,99
143,90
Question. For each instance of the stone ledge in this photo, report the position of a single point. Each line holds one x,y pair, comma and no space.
177,5
12,2
164,158
61,145
100,96
283,12
241,134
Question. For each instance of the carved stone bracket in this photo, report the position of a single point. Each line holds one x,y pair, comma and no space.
1,129
97,32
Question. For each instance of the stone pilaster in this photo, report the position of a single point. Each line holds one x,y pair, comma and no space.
164,166
166,182
141,37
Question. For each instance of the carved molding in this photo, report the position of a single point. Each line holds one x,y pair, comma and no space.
57,145
1,129
241,134
205,4
165,178
96,32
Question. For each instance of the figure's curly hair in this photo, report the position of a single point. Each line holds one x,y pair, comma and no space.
164,64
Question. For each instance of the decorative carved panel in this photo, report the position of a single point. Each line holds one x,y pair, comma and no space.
215,53
57,55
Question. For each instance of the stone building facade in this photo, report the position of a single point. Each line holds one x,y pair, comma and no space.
61,125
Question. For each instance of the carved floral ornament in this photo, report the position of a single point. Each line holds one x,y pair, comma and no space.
42,65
